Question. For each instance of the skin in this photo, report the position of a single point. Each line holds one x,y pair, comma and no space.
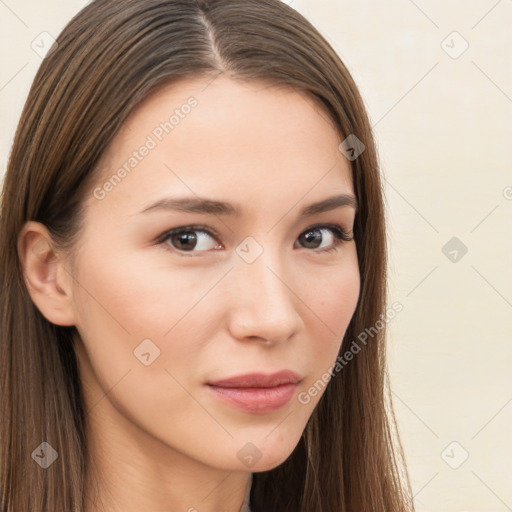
158,437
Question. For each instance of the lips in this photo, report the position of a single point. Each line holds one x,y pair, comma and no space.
258,380
256,392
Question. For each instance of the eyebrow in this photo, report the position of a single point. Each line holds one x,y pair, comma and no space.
212,207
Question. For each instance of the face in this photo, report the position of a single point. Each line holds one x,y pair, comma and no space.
202,259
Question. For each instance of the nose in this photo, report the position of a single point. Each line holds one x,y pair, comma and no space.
263,305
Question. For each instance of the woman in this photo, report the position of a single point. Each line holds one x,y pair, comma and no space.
193,266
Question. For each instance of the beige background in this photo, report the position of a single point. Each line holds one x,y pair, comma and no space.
443,122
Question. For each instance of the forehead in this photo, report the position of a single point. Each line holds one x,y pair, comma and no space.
223,137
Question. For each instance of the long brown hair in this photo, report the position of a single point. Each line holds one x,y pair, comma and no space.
110,57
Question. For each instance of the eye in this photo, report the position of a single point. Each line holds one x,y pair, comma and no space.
196,239
327,237
190,239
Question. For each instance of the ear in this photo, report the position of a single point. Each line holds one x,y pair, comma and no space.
49,282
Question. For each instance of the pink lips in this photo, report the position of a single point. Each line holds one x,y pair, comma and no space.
256,392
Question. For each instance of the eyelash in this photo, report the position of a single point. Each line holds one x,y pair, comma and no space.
340,236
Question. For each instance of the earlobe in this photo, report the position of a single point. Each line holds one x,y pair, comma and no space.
48,281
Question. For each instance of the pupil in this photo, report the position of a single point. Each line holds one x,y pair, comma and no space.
184,238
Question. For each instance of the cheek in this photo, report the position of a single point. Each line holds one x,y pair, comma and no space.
133,311
142,328
332,296
137,297
332,302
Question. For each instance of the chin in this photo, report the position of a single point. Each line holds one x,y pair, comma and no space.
267,454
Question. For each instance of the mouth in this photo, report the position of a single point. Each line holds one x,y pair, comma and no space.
257,393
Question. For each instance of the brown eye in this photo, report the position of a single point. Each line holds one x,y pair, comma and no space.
184,241
325,237
190,239
311,239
